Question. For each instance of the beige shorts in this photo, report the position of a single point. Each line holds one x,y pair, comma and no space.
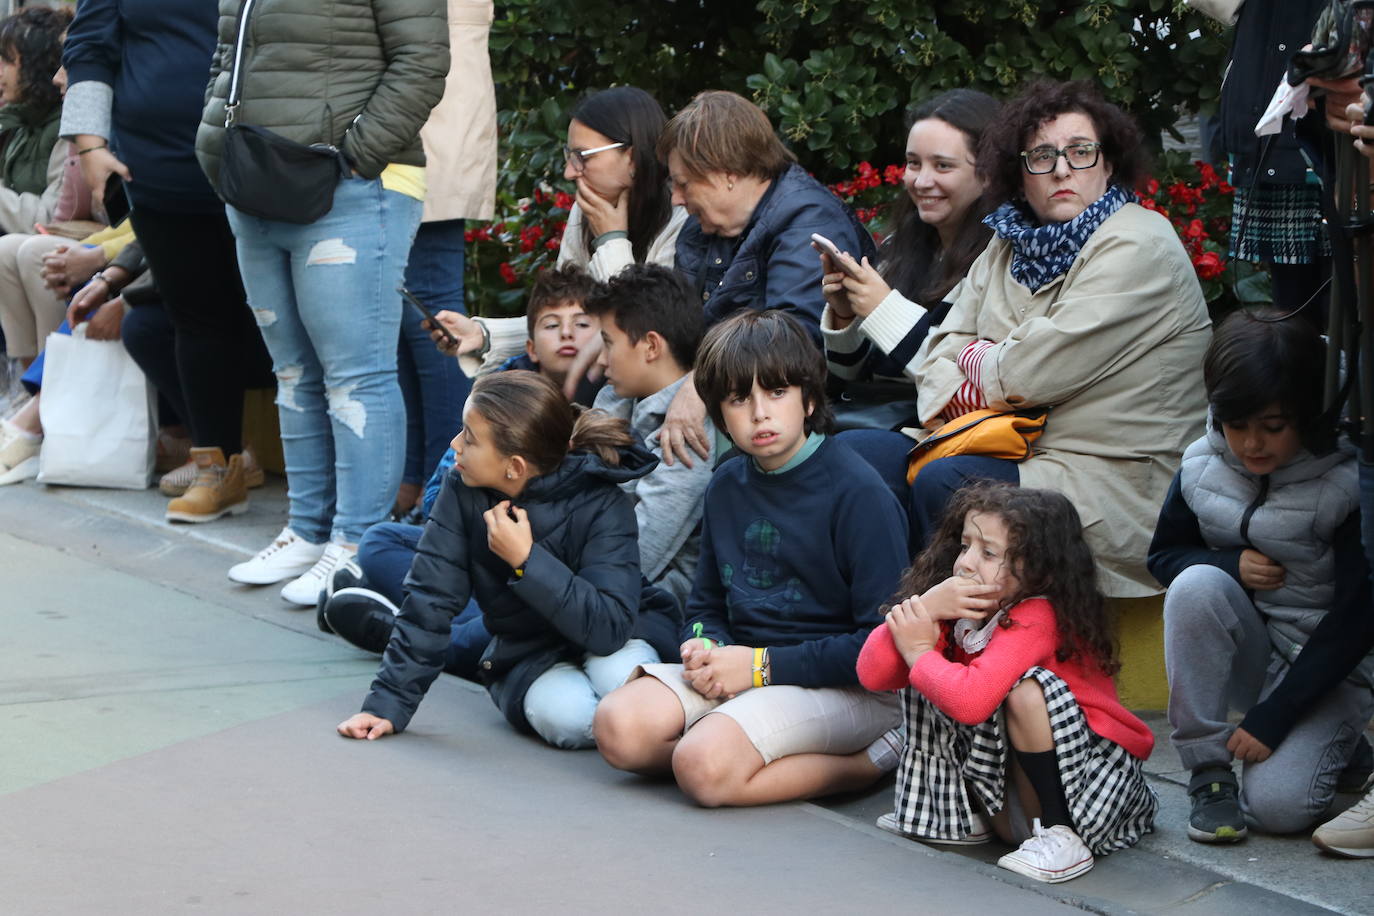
782,720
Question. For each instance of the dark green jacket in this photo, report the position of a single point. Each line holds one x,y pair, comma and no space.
360,74
28,138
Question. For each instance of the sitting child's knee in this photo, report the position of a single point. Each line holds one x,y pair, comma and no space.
619,732
1026,701
1270,809
702,773
562,725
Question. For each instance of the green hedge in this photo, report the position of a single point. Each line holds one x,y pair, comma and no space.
835,76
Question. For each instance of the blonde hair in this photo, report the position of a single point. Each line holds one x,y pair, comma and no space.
720,131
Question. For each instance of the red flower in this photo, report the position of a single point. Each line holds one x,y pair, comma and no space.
563,201
540,196
1209,265
1209,175
1152,187
1178,192
1195,230
469,235
553,243
1225,188
483,234
508,273
893,174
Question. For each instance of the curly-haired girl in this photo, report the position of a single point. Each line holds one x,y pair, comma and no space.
1015,648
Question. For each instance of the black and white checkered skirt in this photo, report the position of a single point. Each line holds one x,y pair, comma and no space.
945,760
1278,224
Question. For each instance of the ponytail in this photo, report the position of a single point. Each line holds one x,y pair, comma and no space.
598,432
530,417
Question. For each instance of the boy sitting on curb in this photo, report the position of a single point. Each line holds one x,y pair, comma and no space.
650,329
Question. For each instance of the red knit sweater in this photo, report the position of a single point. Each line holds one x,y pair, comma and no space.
971,688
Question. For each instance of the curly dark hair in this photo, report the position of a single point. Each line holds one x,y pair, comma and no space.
554,287
999,152
1047,551
34,36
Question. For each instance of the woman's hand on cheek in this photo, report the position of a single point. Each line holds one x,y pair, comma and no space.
601,214
913,630
509,538
958,597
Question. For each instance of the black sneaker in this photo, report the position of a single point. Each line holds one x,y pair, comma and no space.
1215,816
362,617
1356,777
347,574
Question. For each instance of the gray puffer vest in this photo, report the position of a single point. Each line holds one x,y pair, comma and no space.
1290,516
359,74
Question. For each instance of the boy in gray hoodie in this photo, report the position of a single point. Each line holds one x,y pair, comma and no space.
650,328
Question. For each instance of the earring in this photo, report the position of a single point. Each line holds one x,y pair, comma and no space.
729,185
510,476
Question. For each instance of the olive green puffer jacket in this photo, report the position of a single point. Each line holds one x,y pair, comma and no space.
360,74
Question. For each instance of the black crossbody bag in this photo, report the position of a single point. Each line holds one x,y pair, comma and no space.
262,173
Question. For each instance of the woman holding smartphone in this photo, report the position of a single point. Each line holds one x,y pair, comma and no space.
878,318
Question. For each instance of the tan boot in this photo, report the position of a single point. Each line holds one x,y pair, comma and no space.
179,480
218,489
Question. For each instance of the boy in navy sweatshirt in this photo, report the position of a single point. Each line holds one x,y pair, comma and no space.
801,544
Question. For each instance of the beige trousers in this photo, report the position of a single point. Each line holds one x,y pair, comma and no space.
29,311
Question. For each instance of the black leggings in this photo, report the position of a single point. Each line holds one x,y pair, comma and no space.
219,351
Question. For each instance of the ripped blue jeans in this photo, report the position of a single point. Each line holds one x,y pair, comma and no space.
324,296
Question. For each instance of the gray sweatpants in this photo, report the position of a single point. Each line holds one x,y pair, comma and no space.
1219,658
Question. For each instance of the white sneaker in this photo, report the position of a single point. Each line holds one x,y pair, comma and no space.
19,458
979,833
1349,834
305,590
284,558
1050,855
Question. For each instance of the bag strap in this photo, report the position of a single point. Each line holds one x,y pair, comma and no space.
1025,413
231,104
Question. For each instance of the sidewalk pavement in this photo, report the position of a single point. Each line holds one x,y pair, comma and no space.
170,748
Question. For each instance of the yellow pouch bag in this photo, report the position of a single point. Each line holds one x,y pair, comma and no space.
991,433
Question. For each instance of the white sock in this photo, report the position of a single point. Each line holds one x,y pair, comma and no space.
886,750
14,430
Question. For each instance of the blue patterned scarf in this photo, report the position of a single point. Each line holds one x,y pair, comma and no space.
1040,253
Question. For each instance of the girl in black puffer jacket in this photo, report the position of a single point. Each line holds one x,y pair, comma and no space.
532,524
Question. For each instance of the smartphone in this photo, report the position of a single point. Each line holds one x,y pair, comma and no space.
848,265
115,201
433,322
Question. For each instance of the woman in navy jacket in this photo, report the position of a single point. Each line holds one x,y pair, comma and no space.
747,240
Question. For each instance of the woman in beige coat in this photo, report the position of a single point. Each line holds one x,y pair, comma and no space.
460,177
1086,303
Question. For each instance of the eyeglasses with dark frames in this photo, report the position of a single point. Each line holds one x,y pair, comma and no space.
577,158
1043,159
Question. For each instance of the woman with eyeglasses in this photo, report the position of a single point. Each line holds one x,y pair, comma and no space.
1086,303
623,212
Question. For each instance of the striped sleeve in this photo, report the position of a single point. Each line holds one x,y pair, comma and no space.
970,395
